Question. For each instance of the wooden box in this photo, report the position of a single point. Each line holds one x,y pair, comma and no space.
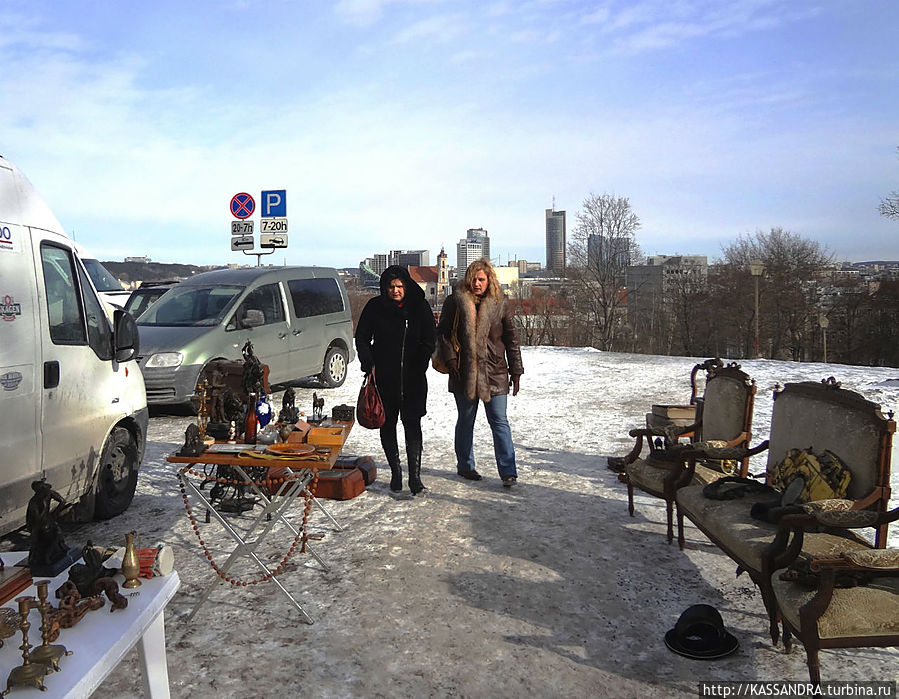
340,484
326,436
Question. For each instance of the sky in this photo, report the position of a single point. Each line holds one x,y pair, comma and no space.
400,124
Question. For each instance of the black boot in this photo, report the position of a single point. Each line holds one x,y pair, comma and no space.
413,453
396,472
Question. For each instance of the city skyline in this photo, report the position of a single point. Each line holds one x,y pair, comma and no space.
398,123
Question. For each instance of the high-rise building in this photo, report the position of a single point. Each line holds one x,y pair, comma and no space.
407,258
555,242
474,246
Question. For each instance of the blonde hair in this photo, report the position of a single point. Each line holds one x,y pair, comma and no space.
493,289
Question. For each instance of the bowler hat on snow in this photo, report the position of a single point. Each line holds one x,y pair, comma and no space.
700,634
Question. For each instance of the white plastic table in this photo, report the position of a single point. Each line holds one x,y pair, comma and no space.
99,641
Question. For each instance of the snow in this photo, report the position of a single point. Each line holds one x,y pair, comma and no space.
547,589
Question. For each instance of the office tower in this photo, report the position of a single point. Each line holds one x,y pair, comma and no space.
410,258
555,242
474,246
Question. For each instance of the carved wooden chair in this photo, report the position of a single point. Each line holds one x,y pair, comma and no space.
725,422
849,600
661,417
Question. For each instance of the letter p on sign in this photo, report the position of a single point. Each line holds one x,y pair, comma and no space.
274,203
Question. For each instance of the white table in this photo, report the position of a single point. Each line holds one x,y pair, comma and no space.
99,641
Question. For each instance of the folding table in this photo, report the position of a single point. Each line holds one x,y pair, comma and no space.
287,481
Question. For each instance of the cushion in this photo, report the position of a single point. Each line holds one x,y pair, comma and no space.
729,524
866,610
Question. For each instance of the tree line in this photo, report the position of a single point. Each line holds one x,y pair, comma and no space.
808,309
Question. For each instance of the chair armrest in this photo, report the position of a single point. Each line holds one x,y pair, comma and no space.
671,432
880,561
701,450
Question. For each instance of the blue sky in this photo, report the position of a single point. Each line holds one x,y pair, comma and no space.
399,124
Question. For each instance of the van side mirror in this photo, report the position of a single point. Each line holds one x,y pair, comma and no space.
127,341
252,318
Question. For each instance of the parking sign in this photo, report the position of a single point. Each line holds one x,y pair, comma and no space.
274,203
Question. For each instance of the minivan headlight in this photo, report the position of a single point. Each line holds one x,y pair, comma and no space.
165,359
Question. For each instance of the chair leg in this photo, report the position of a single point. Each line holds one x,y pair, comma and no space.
787,639
773,614
814,666
669,510
630,497
680,530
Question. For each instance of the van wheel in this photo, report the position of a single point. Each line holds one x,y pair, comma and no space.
334,369
117,478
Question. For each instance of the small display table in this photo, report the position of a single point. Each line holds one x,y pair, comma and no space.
99,641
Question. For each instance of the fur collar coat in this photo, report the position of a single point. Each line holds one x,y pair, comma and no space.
488,351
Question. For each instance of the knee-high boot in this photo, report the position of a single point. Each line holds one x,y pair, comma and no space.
413,453
396,472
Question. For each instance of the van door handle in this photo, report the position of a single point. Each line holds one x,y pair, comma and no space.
297,332
51,374
281,336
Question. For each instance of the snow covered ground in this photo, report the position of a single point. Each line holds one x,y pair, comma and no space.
549,589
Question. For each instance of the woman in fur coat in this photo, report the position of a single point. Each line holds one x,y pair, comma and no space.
479,342
395,335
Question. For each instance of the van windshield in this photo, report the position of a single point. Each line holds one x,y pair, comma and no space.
192,305
101,277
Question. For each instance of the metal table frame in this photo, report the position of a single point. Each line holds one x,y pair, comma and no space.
273,511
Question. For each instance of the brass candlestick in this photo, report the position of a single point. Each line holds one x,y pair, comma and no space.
130,564
28,673
47,653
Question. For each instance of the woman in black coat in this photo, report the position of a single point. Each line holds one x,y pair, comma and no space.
396,336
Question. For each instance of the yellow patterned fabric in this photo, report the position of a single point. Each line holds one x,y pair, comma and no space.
826,477
827,506
846,518
875,558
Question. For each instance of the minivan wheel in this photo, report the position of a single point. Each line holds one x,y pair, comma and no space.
334,369
117,476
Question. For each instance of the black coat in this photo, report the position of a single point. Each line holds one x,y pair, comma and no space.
398,342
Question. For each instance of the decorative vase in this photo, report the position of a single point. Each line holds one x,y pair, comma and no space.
130,563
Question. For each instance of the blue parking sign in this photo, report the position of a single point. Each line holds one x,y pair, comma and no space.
274,203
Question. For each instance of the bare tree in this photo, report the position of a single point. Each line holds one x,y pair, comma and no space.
889,206
788,297
602,245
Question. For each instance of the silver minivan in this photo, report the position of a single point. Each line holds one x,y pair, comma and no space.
298,319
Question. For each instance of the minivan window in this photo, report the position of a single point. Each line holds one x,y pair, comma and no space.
99,333
313,297
192,305
102,277
266,299
64,310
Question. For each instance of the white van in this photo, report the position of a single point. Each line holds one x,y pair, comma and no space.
73,408
108,287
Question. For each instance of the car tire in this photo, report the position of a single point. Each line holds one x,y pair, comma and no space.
117,474
334,368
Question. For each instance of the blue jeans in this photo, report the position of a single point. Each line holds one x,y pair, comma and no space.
499,425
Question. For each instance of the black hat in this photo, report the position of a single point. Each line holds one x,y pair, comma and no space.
700,634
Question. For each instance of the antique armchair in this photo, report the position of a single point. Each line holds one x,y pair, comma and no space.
662,417
847,599
725,423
